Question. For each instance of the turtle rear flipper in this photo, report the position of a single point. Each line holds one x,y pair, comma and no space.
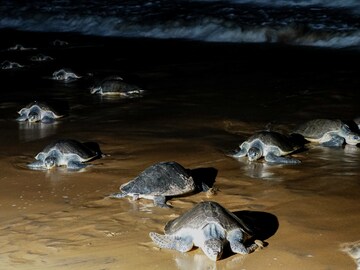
161,201
182,244
47,120
335,141
281,160
95,90
75,165
204,187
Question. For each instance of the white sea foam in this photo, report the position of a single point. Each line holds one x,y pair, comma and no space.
332,23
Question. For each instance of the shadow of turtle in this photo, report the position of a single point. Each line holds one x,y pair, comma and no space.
204,178
60,106
353,125
95,147
261,225
299,141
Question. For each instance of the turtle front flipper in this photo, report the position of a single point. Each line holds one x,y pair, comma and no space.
281,160
23,117
75,165
161,201
242,152
236,239
334,141
117,195
182,244
38,164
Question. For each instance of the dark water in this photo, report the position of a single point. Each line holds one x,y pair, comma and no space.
321,23
201,100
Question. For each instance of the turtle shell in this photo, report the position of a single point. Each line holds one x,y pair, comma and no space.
204,213
10,65
69,147
64,75
40,58
114,85
317,128
271,139
42,106
164,178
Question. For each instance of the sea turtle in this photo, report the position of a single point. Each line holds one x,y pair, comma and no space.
64,75
60,43
10,65
209,226
353,250
159,181
38,112
115,86
41,58
64,152
327,132
19,47
271,145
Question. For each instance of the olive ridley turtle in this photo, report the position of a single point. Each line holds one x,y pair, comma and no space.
328,132
60,43
19,47
160,181
64,75
38,112
41,58
115,86
353,250
64,152
10,65
271,145
209,226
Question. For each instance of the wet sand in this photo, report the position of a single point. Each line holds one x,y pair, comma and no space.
202,100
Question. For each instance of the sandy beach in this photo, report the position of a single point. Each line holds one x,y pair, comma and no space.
202,100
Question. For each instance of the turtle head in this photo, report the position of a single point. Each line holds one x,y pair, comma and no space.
213,248
352,138
95,90
254,153
34,116
50,162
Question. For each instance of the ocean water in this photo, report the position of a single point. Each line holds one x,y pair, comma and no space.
325,23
